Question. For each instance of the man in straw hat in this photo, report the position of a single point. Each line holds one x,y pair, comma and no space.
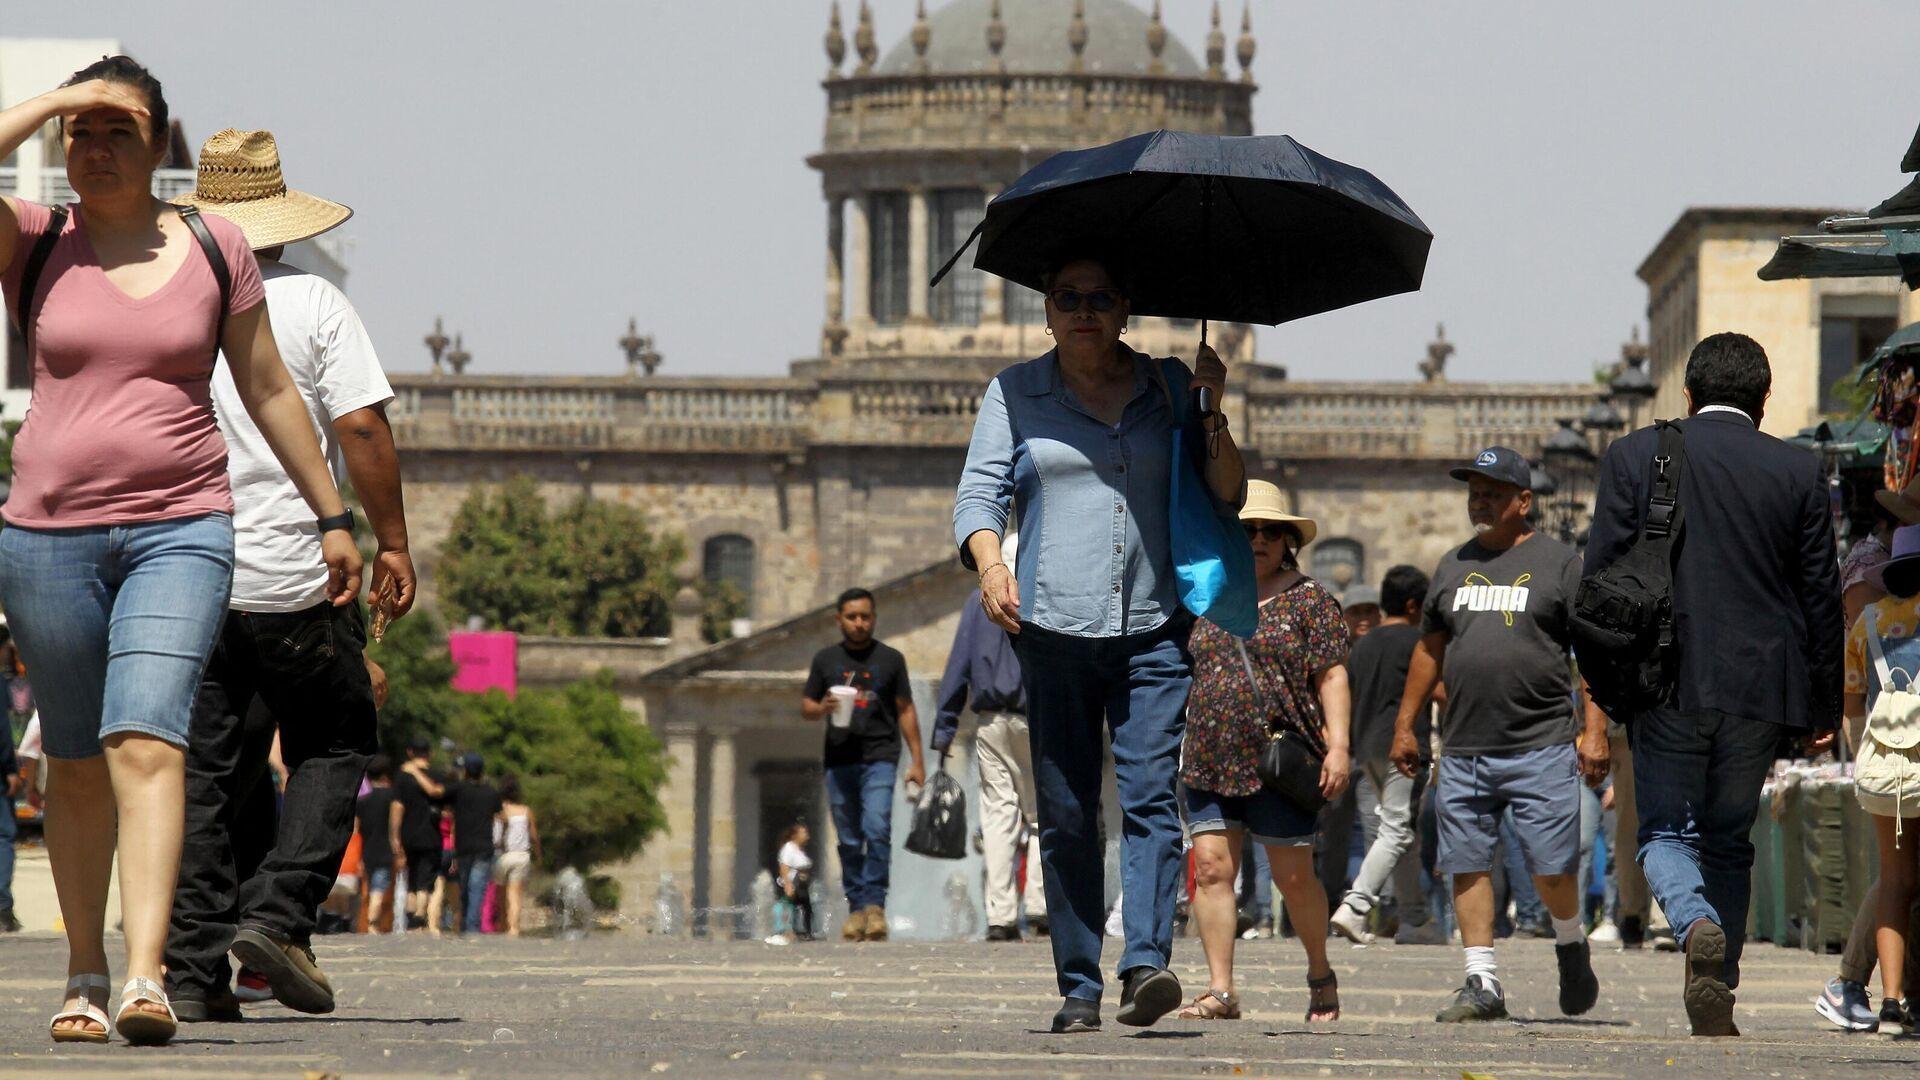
286,656
1496,622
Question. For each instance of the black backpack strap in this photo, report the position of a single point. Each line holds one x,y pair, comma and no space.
1664,512
217,259
30,277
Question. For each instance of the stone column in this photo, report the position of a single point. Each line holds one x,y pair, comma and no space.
683,748
917,256
721,829
859,280
836,280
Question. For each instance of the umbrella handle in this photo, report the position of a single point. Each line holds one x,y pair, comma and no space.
1202,398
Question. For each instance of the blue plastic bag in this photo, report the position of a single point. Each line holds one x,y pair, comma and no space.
1212,559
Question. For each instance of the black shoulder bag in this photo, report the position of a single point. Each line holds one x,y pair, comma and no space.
1289,763
43,250
1622,619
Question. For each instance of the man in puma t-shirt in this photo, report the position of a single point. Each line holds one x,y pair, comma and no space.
1495,624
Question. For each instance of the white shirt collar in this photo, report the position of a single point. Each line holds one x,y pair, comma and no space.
1742,413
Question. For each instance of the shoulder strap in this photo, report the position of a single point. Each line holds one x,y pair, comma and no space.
216,259
1156,370
1664,512
30,277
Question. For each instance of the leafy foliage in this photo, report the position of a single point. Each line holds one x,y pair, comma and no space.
590,769
592,569
720,604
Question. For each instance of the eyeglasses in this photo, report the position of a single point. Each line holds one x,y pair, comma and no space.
1271,530
1100,300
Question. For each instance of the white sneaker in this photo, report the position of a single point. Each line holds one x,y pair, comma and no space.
1115,926
1350,924
1605,934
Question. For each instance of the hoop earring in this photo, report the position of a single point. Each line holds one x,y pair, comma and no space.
1123,331
1049,331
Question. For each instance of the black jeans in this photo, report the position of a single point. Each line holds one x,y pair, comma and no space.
304,673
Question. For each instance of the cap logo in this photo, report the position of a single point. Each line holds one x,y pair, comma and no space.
1487,457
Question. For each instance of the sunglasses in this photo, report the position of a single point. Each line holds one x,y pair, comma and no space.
1099,300
1271,530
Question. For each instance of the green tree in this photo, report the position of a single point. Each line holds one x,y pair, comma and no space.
592,569
590,769
421,699
720,604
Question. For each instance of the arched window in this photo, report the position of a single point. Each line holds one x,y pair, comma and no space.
728,560
1339,564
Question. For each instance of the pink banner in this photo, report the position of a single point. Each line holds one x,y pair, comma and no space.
485,660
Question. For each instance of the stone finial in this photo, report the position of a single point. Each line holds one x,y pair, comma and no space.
1077,35
1634,352
436,343
864,40
836,42
1157,41
641,357
1216,47
921,37
1434,367
459,358
996,37
1246,43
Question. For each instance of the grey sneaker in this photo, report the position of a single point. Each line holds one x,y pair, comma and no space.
1847,1006
1479,999
1351,924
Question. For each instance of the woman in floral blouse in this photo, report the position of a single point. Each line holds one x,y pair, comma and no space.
1299,657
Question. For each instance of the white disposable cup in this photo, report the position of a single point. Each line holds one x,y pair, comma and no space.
843,699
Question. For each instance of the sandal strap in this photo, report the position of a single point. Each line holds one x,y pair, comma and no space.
1329,979
1224,997
89,1011
86,981
139,989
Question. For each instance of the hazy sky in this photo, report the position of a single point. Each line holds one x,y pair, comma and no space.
537,172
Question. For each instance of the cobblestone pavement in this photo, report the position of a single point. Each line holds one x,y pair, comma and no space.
624,1005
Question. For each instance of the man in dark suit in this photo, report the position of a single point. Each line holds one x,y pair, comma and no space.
1759,630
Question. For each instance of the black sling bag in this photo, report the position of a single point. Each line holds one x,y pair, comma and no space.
1622,618
43,250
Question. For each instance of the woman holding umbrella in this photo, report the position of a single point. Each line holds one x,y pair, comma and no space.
1078,445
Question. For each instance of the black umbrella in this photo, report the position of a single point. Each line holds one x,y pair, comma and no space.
1255,229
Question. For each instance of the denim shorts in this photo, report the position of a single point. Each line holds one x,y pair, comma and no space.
115,624
380,878
1542,787
1266,817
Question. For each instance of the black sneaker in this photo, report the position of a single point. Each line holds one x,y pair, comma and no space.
1002,933
1895,1018
1037,925
1149,994
297,981
1480,999
8,924
1076,1015
1708,998
191,1005
1579,987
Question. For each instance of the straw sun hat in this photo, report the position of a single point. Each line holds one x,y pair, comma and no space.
240,180
1264,504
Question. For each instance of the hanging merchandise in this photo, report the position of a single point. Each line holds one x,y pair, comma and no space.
1896,403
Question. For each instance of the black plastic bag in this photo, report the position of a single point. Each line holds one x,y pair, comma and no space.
940,819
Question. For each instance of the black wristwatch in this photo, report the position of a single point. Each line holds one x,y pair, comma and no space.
341,520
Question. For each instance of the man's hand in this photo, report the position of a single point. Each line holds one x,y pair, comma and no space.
1815,745
1596,757
13,786
394,581
917,773
378,676
1000,597
1405,753
343,561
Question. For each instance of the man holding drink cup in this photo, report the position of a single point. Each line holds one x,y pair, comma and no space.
859,687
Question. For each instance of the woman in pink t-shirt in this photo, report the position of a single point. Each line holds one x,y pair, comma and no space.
117,555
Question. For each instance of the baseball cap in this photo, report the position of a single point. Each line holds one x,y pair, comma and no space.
1502,463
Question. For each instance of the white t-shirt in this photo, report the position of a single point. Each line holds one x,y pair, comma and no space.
793,858
277,563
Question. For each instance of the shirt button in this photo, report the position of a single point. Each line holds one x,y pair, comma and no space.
1116,588
1116,549
1121,468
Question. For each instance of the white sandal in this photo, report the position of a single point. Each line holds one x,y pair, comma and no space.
82,986
142,1027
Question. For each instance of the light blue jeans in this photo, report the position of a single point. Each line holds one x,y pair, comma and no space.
116,623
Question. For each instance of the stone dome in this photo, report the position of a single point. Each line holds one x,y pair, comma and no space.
1037,40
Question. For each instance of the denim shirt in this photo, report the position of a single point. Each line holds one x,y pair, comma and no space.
1095,557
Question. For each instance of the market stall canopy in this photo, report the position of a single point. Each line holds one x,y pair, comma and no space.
1859,441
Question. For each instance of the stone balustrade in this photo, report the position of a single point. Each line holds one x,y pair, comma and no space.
922,110
1277,418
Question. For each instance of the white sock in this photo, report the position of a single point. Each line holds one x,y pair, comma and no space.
1567,931
1480,962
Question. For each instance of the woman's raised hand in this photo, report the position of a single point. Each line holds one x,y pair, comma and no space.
101,94
1211,372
